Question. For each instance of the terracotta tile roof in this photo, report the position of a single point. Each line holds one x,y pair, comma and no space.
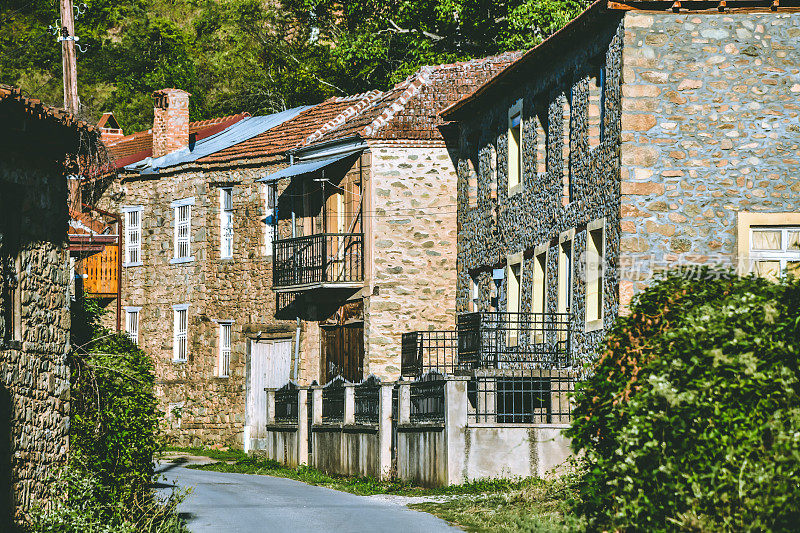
410,110
293,133
137,146
41,111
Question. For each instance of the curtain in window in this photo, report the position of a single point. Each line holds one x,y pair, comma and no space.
793,238
766,240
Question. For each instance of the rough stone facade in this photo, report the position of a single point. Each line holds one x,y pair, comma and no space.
710,130
413,250
500,224
34,282
200,406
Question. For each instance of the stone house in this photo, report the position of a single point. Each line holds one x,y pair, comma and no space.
39,147
365,245
642,136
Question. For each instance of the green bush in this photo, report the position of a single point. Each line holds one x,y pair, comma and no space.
691,416
114,419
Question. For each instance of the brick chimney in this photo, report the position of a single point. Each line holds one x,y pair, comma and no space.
170,121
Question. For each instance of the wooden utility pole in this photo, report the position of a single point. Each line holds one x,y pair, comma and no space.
70,68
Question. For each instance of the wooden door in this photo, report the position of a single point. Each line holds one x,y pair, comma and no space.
270,361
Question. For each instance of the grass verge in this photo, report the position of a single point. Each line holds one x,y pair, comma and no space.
527,504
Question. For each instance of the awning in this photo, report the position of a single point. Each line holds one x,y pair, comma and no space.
308,167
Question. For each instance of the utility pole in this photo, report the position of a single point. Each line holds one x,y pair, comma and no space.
70,68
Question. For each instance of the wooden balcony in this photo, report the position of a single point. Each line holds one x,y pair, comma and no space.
101,273
323,260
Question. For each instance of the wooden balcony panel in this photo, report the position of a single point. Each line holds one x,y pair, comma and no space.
102,273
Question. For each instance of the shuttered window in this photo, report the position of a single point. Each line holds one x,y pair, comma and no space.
226,223
182,214
180,348
132,323
133,236
224,364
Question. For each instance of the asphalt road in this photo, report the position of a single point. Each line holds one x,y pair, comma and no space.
221,502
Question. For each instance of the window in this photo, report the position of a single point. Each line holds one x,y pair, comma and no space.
474,294
270,202
513,300
594,276
541,146
224,365
132,323
226,223
565,148
775,251
11,225
595,110
514,147
133,235
564,276
473,166
183,223
492,172
180,349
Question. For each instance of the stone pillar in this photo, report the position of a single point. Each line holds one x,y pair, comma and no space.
270,406
455,426
349,404
302,427
404,403
385,430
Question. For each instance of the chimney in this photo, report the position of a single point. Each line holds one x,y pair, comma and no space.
170,121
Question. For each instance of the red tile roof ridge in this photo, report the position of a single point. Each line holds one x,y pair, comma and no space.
363,101
415,83
217,120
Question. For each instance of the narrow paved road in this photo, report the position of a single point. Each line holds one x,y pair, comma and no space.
222,502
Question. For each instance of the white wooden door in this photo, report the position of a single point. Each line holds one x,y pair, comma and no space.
270,361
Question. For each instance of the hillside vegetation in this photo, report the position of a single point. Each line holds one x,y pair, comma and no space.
259,56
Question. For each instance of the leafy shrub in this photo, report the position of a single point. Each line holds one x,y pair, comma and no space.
114,422
691,417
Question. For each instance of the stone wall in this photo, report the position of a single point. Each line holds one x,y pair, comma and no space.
413,243
499,224
710,129
34,374
200,407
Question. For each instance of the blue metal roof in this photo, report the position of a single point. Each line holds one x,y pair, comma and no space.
307,167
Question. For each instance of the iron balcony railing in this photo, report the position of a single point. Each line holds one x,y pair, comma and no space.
427,398
514,340
423,351
318,259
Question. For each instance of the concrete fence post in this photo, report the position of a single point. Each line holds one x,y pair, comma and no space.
349,404
316,406
302,427
404,403
455,420
385,430
270,406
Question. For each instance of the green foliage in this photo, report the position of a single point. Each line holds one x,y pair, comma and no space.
113,426
691,419
86,510
256,56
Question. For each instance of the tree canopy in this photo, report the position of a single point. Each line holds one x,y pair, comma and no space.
259,56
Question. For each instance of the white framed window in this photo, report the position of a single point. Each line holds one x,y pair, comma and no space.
133,235
132,323
775,251
564,294
224,360
595,258
270,212
180,327
539,296
515,147
182,214
226,223
513,301
474,294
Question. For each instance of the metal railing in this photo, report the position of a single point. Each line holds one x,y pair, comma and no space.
423,351
521,397
427,398
367,398
333,400
514,340
286,405
320,258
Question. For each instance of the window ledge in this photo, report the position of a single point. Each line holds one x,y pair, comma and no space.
226,258
136,264
516,189
180,260
179,361
594,325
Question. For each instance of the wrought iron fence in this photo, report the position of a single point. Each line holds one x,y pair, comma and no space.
367,398
423,351
319,258
514,340
427,398
521,396
286,404
333,400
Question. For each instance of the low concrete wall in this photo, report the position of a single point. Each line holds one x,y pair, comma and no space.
350,450
280,444
422,454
